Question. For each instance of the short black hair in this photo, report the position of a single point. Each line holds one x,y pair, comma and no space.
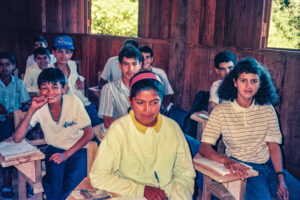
130,52
266,93
131,43
146,49
41,51
52,75
146,84
224,56
8,56
40,38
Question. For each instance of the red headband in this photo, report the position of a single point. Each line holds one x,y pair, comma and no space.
142,76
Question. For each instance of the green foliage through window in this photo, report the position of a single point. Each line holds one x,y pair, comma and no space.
284,31
115,17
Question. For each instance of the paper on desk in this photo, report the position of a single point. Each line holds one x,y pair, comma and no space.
215,166
11,149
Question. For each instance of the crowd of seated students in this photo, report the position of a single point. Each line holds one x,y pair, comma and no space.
146,154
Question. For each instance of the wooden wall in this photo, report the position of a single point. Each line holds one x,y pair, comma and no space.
185,36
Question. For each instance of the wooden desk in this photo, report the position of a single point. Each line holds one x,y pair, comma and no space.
29,171
202,118
84,185
94,94
234,184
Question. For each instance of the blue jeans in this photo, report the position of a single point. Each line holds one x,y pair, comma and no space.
93,114
263,186
7,128
61,179
194,145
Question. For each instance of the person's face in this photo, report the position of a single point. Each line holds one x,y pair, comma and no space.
42,61
129,67
52,91
63,55
39,44
224,68
247,86
6,67
147,60
146,105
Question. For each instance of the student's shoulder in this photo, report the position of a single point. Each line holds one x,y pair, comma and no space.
17,80
225,105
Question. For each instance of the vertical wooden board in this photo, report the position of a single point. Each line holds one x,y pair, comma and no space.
220,18
85,53
196,74
206,33
93,42
165,19
144,18
54,16
161,56
290,113
193,21
257,19
275,62
66,16
154,21
35,13
231,21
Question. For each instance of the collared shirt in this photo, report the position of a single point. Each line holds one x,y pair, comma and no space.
165,81
131,159
65,132
71,82
12,96
213,96
111,71
245,131
30,79
31,61
114,100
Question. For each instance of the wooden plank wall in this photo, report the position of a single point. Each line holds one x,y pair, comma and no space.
185,37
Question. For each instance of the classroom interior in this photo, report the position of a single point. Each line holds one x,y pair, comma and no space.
184,35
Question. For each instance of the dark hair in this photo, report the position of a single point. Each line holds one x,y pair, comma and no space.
41,51
224,56
266,93
146,49
130,43
52,75
146,84
130,52
40,38
8,56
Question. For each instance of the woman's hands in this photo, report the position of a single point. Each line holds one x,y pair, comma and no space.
153,193
236,168
282,190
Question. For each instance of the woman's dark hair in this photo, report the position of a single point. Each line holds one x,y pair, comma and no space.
146,84
266,93
52,75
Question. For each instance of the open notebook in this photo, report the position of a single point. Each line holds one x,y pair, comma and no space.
214,166
11,150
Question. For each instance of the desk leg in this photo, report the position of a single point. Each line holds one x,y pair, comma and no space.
37,185
205,193
237,188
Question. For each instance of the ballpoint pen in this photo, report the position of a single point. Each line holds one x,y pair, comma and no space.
156,177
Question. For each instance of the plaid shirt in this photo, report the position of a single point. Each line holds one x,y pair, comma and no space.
12,96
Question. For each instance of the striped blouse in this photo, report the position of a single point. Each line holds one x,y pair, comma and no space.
245,131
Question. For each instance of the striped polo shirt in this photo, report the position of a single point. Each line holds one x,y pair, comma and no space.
245,131
114,100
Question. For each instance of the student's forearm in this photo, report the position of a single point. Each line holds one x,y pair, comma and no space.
23,127
276,157
207,151
87,136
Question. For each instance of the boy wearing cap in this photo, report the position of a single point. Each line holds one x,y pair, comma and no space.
39,41
63,51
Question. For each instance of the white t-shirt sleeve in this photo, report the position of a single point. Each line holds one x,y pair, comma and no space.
213,92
